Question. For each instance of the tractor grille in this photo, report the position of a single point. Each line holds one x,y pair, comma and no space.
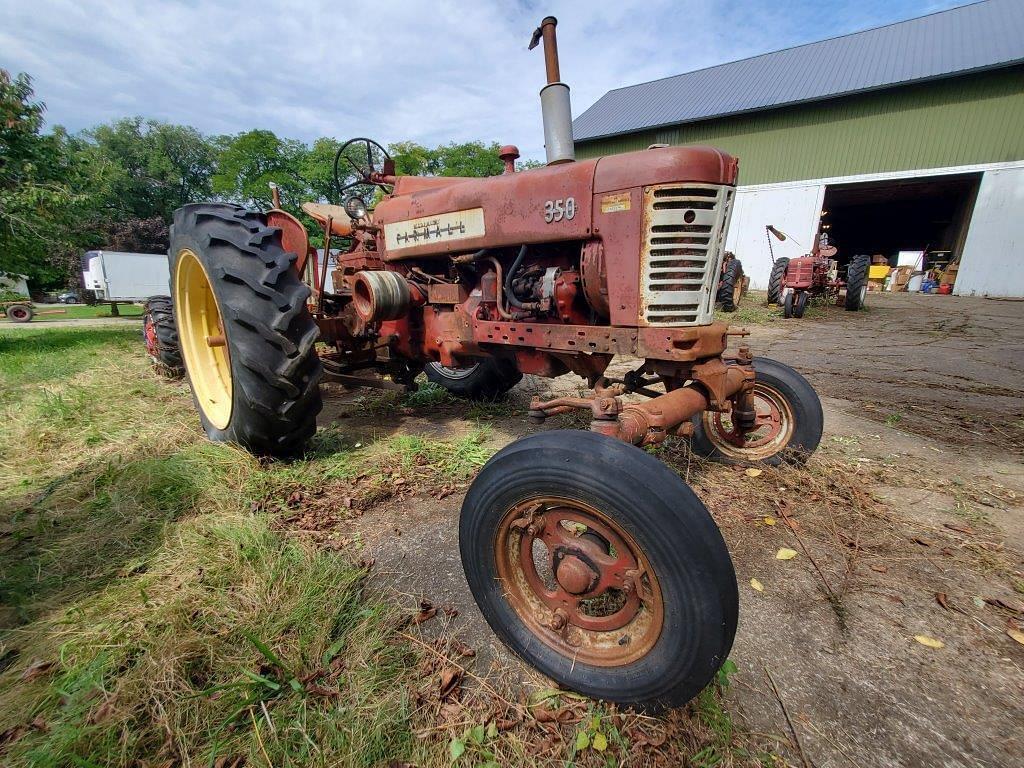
684,230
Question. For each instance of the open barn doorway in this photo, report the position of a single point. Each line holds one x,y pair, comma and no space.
929,215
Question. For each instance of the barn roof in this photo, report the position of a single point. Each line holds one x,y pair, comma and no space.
971,38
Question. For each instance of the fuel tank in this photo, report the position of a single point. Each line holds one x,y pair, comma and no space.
438,216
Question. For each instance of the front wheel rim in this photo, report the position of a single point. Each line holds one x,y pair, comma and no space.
455,373
202,338
773,427
578,581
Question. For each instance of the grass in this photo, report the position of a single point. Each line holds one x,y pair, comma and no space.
158,610
150,615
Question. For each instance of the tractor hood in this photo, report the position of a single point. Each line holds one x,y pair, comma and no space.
427,216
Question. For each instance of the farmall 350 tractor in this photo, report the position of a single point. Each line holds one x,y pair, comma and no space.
588,556
794,282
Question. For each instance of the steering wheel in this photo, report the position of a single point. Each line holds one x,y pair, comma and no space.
363,157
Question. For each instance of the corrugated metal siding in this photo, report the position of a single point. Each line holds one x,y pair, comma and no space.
960,121
948,43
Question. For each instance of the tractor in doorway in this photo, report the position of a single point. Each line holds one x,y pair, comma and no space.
794,282
587,555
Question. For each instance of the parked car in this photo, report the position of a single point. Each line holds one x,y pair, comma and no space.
69,297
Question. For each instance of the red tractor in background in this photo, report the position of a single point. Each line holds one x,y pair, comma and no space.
794,282
587,555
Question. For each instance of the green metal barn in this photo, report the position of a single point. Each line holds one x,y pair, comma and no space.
898,140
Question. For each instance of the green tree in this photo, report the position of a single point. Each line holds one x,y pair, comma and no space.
147,168
35,190
249,162
470,158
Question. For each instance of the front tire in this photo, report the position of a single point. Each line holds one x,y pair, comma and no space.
247,337
564,518
857,282
488,379
800,304
788,426
775,280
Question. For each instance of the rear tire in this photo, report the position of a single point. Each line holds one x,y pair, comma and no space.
800,304
785,395
730,288
20,313
645,504
158,317
488,379
787,304
857,282
775,280
228,265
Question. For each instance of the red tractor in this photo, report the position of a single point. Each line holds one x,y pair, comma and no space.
793,282
586,554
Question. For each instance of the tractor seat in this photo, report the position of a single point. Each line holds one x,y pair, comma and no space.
341,224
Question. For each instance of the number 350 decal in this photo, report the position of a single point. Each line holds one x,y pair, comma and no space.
556,210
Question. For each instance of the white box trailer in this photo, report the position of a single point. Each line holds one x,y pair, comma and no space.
120,276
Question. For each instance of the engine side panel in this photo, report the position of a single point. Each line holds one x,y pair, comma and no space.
495,212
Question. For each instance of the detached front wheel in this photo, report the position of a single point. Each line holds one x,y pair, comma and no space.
787,425
599,566
246,336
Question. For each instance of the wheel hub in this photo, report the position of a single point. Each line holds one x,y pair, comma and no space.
578,581
575,575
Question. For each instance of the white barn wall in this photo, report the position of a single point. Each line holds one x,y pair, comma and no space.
993,259
792,209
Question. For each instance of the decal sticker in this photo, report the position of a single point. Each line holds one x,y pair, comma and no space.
443,228
615,203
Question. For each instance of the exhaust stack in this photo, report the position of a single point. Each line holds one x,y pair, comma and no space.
554,99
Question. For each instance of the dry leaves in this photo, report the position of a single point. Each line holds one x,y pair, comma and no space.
785,554
931,642
427,611
36,669
451,680
757,585
1016,634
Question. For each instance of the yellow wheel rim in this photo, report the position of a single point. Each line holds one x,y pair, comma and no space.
202,339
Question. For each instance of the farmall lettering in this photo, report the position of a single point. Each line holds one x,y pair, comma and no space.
590,558
444,227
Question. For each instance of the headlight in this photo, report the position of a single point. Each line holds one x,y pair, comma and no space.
355,207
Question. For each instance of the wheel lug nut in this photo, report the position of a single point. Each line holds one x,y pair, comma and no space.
558,620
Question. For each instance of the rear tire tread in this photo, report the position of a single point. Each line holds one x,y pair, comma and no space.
271,335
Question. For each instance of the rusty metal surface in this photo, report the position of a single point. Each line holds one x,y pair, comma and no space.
714,384
579,581
294,238
771,431
446,293
513,210
665,165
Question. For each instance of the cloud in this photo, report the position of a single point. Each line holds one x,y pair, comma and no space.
431,72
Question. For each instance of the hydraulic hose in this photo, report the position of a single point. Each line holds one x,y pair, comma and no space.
509,293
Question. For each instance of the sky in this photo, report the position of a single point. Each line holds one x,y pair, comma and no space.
393,70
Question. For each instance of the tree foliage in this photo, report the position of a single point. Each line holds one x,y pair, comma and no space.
116,186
